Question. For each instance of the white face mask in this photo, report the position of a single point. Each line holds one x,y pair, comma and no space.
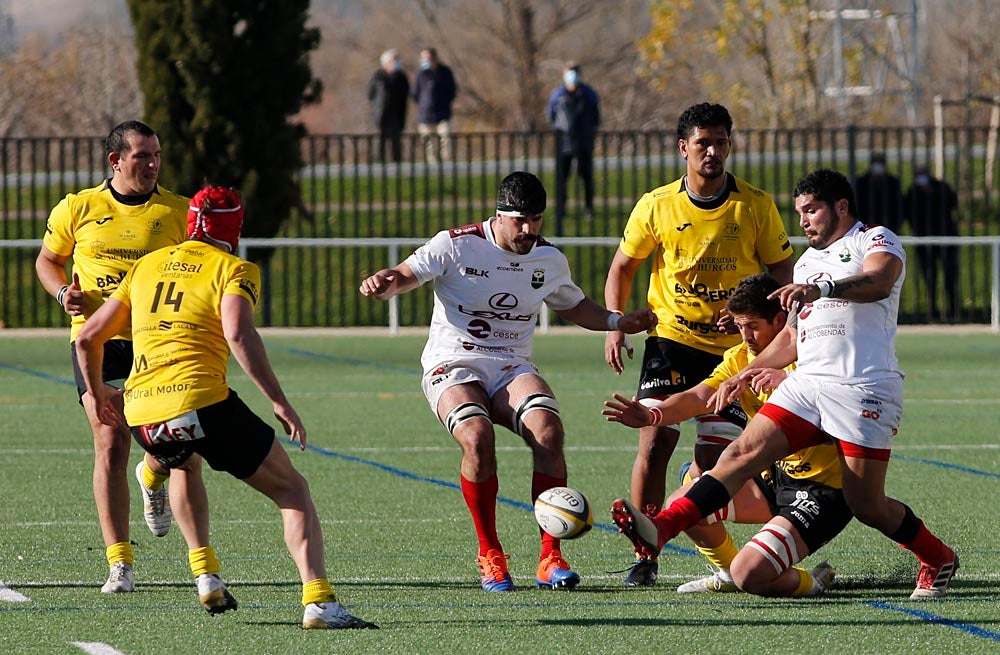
571,78
922,180
878,169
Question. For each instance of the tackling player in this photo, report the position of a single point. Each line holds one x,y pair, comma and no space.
705,233
490,280
105,230
799,498
847,385
188,306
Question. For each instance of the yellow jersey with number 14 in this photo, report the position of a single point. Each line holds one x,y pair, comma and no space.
181,352
106,237
703,250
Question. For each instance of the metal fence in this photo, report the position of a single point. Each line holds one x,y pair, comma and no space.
350,194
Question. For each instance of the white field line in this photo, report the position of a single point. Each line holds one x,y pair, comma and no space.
624,448
275,520
96,648
10,596
376,580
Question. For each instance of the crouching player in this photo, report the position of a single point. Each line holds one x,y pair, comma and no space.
799,499
188,306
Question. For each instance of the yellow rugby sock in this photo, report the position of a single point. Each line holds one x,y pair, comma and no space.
120,552
806,582
152,480
203,560
318,591
721,556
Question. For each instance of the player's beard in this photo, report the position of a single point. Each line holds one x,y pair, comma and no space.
522,244
717,170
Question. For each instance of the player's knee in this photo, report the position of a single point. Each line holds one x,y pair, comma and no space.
753,575
545,408
463,413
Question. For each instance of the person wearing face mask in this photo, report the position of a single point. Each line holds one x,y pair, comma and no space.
574,114
434,90
388,91
929,205
879,195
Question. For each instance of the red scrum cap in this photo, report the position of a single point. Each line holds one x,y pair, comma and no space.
215,214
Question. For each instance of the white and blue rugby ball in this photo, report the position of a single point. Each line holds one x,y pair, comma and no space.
564,513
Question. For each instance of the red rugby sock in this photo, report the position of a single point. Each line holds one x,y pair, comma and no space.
481,498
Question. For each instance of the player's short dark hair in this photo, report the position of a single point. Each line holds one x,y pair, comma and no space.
117,140
521,192
828,186
751,297
703,115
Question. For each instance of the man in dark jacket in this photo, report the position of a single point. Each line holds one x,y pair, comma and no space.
434,90
879,195
388,91
929,205
574,115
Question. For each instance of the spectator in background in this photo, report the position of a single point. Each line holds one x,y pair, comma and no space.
388,92
574,115
434,90
879,195
929,204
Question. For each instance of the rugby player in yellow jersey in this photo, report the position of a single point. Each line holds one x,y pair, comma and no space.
188,307
104,230
705,233
799,499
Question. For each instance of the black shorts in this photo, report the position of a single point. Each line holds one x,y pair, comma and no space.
817,511
236,440
669,367
116,366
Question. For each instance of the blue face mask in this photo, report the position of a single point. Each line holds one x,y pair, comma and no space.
571,78
425,64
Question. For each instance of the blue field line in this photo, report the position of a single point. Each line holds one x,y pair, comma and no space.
517,504
38,374
954,467
973,630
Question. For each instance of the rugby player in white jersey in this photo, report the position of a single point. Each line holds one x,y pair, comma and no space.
490,280
847,385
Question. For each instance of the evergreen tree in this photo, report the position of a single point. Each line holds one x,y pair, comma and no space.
221,81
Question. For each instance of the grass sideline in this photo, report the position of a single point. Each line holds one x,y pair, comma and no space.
401,547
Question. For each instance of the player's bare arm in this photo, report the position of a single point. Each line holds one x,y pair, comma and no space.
588,314
676,408
389,282
248,349
112,318
875,281
782,271
616,296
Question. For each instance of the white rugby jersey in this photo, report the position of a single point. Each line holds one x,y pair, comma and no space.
487,299
851,341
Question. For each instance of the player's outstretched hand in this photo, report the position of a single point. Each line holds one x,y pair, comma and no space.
726,324
377,284
765,380
794,296
291,423
728,392
640,320
627,412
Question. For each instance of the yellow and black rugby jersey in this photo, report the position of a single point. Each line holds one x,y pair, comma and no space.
816,463
703,250
106,237
181,353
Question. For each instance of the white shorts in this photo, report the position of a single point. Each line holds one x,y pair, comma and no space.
492,374
863,413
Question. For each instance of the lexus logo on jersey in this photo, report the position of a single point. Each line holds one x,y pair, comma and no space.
503,300
537,278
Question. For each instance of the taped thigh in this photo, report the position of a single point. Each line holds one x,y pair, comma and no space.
462,413
542,401
716,430
777,545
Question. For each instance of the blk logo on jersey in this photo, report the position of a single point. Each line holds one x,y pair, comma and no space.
475,272
537,278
